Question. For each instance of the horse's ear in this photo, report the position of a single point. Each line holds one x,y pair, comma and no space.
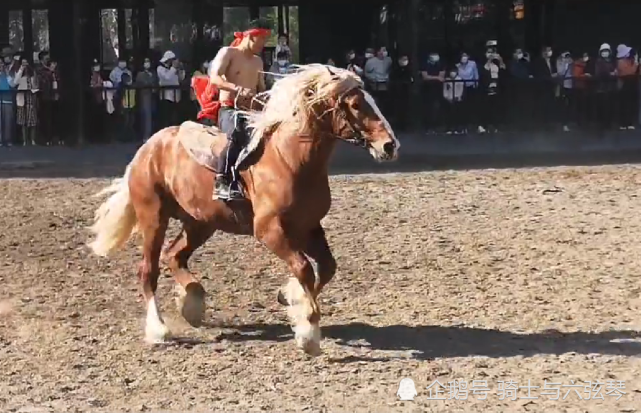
332,73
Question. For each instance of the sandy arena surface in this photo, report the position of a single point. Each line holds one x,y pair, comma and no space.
527,275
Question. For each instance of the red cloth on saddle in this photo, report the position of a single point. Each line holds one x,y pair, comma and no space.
207,93
207,96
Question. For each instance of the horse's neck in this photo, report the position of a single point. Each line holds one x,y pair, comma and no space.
304,153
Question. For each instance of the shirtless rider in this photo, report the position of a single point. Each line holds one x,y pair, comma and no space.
237,72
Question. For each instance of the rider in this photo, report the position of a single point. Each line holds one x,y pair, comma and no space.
237,72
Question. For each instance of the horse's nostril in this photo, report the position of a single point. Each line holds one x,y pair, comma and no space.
388,148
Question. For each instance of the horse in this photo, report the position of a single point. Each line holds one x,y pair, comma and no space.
286,188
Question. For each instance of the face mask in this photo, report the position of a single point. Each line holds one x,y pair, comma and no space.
519,56
282,62
96,68
464,59
147,65
122,65
434,58
453,74
586,58
403,63
548,53
384,54
605,53
369,55
351,56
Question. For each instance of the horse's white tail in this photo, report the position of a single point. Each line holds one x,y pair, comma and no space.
115,219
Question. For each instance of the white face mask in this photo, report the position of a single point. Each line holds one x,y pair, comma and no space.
351,56
434,58
282,62
548,53
96,68
586,58
384,54
453,74
605,53
368,55
122,65
403,63
519,56
147,65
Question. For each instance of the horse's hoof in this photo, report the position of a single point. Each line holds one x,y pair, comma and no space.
157,334
191,303
281,299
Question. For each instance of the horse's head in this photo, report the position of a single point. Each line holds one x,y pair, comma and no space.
358,120
324,101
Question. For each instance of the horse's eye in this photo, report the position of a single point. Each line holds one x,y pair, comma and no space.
356,106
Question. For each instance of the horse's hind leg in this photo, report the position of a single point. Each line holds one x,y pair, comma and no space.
191,294
152,223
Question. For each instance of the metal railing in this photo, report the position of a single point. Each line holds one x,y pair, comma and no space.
588,105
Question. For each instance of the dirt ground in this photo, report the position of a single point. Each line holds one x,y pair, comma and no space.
495,276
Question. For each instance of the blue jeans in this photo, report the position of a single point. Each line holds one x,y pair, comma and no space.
7,121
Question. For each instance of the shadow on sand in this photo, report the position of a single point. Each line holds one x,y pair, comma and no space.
429,342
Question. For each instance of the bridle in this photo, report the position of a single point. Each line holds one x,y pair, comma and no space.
357,138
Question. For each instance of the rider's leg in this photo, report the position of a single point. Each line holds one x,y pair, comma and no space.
228,123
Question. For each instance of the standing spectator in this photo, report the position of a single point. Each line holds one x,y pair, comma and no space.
628,86
580,97
453,88
128,104
468,70
49,99
116,73
545,71
377,72
564,89
146,80
433,74
7,119
401,84
279,68
97,108
282,46
490,88
520,89
354,63
170,75
604,72
27,103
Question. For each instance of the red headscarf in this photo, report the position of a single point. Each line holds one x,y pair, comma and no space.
207,93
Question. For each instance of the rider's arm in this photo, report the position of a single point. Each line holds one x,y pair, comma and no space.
218,69
260,86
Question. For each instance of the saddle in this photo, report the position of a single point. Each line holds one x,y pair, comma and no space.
204,144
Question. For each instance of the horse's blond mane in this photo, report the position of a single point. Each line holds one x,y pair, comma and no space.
293,96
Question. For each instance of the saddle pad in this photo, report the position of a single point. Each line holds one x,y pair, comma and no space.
203,143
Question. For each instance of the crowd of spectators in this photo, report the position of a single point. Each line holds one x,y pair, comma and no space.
461,94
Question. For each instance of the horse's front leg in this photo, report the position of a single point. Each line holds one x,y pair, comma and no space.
318,249
303,309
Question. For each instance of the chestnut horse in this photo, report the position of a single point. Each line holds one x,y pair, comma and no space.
287,191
